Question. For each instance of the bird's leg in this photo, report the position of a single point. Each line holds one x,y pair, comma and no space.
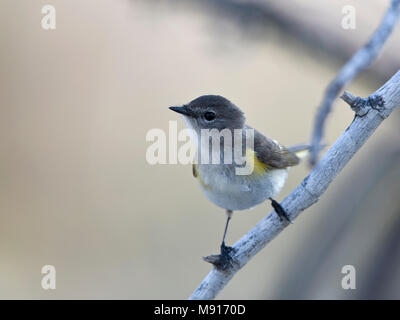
223,260
224,256
228,218
282,214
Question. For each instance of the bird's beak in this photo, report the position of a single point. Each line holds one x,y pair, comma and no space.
183,110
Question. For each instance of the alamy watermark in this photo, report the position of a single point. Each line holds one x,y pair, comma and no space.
349,17
48,21
212,146
349,280
49,278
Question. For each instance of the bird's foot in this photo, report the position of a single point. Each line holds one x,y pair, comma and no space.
282,214
223,260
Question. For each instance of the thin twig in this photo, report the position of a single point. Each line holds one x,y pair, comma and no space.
358,63
379,105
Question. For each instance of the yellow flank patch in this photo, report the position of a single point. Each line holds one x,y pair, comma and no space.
259,167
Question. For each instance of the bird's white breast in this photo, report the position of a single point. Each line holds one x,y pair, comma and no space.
224,188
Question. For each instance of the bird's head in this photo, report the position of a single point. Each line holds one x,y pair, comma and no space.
211,112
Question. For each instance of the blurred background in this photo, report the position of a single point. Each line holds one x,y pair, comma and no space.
76,191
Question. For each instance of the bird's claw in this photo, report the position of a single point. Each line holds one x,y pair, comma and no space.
282,214
223,260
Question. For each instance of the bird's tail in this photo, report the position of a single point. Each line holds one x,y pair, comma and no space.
302,150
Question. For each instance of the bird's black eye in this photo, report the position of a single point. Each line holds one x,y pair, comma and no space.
209,115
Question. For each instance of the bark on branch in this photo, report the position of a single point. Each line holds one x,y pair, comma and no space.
370,112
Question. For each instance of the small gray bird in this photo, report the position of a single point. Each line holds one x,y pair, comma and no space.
220,182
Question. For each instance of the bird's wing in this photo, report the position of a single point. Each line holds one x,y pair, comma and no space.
273,154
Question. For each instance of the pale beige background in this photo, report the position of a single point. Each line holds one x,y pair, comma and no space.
76,191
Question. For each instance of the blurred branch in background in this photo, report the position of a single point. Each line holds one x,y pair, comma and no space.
358,63
316,24
378,106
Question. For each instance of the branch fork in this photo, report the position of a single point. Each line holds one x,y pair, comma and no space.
361,106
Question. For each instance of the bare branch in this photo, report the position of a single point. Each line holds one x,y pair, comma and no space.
358,63
377,107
